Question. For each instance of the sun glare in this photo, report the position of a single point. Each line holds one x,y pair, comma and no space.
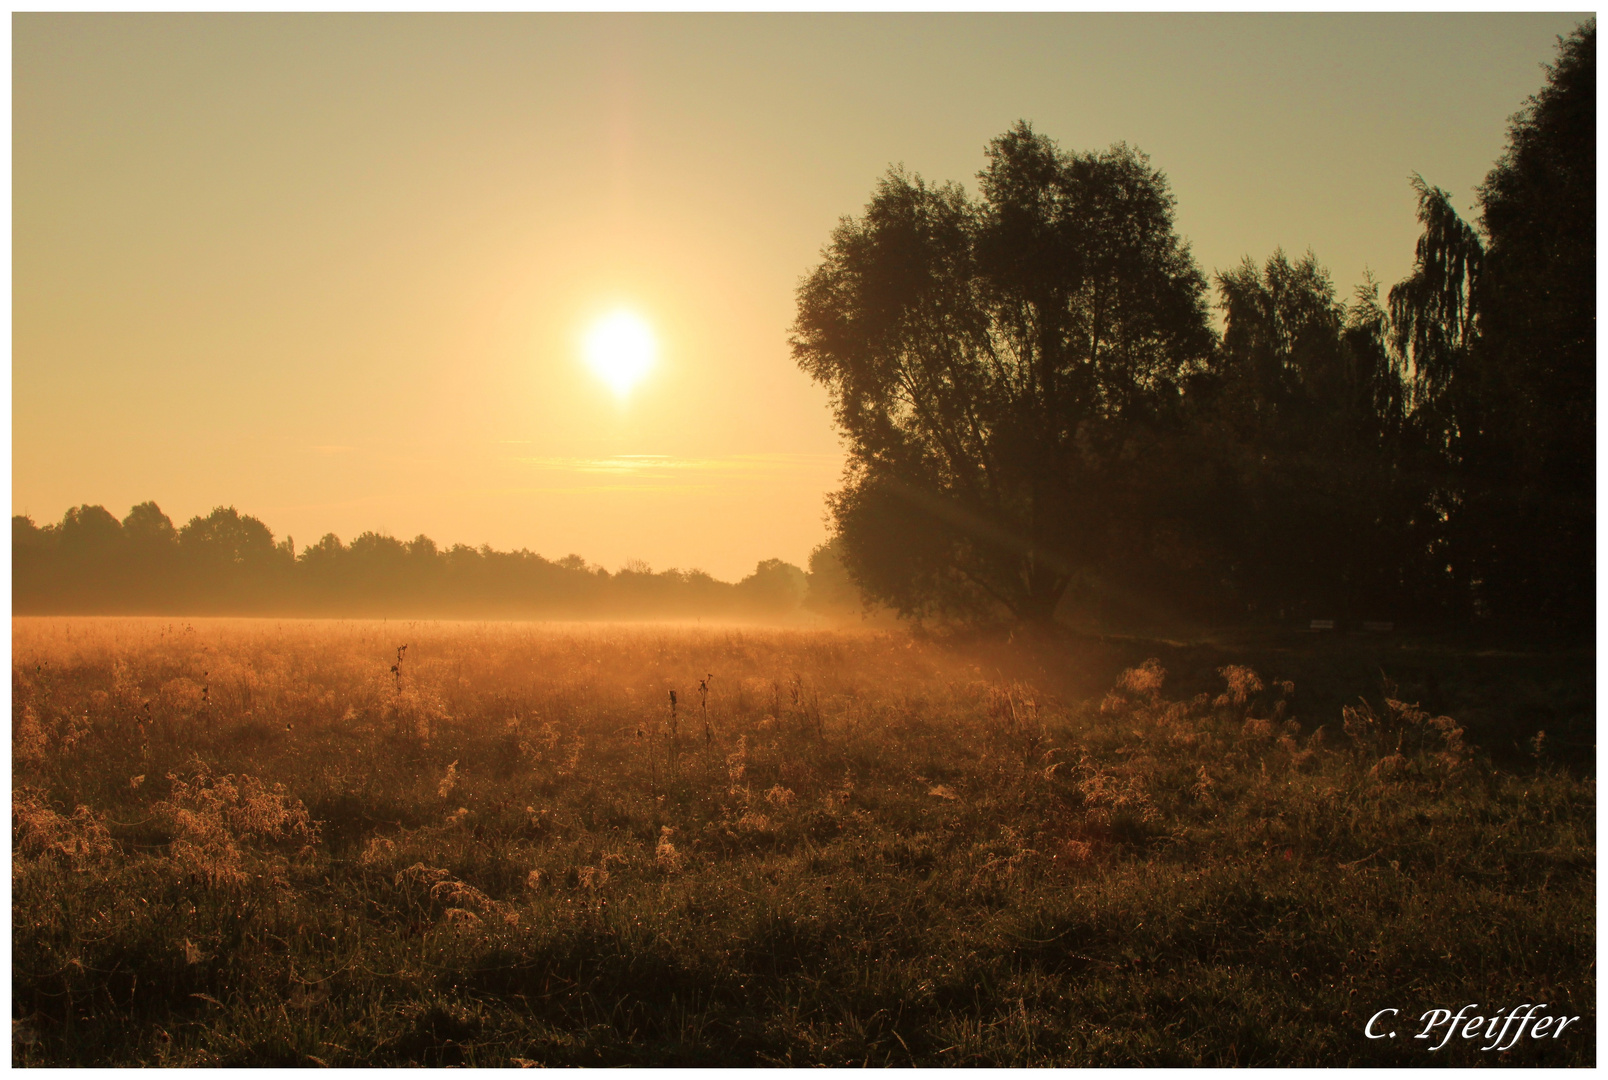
620,349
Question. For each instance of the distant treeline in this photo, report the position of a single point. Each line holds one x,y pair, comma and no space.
229,563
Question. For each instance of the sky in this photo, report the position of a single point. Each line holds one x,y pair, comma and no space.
338,271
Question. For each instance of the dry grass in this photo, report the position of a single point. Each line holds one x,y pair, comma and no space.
258,842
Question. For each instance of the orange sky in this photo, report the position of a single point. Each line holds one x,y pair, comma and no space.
337,270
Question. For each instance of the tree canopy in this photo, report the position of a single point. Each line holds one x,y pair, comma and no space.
1499,324
992,361
1529,453
1036,406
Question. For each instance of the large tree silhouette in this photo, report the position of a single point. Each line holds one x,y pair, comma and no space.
994,365
1501,333
1530,424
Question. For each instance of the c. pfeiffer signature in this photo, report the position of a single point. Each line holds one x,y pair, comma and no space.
1504,1029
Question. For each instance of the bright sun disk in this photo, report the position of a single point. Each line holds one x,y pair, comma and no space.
620,349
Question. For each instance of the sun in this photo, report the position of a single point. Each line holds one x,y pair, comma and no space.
620,349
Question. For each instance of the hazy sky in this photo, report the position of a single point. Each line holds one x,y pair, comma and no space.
336,270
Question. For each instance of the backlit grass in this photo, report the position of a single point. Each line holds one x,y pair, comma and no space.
262,843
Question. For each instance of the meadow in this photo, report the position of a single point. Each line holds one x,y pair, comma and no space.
260,842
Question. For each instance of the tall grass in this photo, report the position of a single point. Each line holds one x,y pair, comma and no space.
281,844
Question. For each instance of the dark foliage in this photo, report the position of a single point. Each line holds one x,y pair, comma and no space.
1529,419
993,363
1325,509
1040,418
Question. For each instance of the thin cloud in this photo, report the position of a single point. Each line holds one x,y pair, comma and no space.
650,465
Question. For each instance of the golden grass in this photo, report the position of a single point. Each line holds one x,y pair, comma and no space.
296,842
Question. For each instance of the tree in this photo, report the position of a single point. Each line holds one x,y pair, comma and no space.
1530,423
1434,328
26,536
91,548
1433,309
91,533
994,364
1500,332
33,562
830,591
1310,413
147,526
152,549
233,560
226,537
774,586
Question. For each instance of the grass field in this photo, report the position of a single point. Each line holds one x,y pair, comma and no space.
296,843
